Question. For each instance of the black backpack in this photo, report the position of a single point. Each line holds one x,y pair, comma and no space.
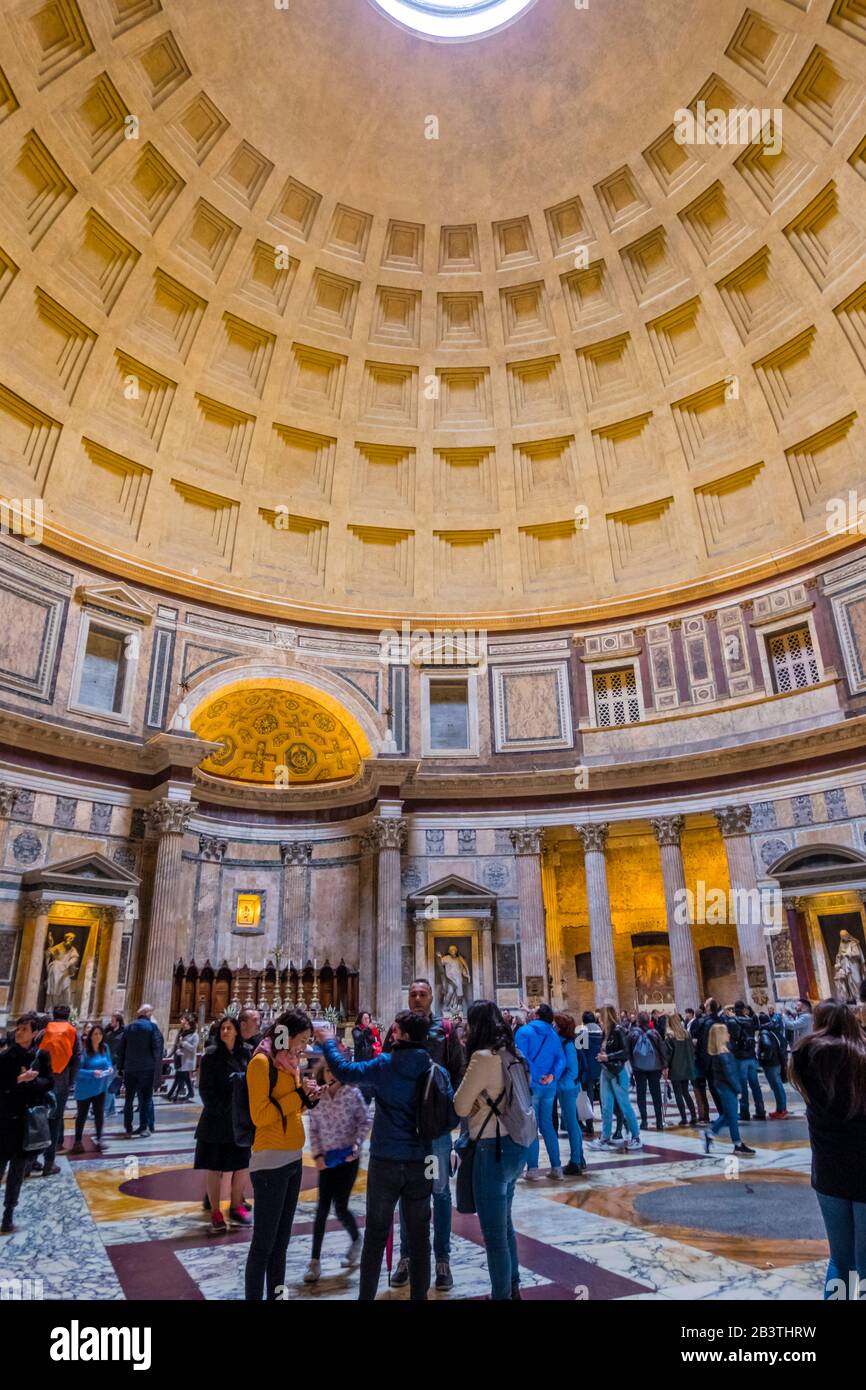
242,1120
769,1051
434,1109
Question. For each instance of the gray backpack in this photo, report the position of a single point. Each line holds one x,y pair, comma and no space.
513,1106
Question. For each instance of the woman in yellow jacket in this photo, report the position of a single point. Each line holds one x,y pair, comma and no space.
277,1096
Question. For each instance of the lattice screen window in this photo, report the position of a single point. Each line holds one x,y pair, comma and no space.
616,700
793,659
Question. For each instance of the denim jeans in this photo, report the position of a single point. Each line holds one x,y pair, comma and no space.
389,1181
748,1069
542,1103
493,1187
728,1115
615,1088
276,1196
774,1076
441,1151
567,1097
845,1223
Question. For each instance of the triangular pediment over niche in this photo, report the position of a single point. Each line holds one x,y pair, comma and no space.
86,873
456,888
114,598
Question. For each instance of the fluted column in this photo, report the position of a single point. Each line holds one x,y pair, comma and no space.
389,835
167,820
366,924
687,989
31,957
527,843
594,840
111,935
734,822
420,944
549,860
489,985
296,856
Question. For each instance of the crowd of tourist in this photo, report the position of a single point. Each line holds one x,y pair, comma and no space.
503,1082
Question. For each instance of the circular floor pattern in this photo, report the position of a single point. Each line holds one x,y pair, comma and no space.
770,1210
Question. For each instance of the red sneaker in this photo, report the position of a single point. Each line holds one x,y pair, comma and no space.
779,1115
240,1216
217,1225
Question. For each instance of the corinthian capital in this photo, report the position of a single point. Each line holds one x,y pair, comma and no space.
8,797
527,840
209,847
593,837
733,820
296,854
167,817
668,829
388,832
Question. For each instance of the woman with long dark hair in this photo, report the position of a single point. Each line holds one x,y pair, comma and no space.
828,1068
215,1148
499,1160
364,1046
615,1076
113,1036
278,1096
91,1085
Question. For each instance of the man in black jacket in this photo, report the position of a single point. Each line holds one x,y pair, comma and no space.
743,1028
26,1079
139,1057
700,1032
444,1048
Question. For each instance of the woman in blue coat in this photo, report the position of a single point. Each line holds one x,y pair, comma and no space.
567,1088
91,1085
725,1076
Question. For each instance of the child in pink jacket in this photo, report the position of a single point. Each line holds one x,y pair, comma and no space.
338,1128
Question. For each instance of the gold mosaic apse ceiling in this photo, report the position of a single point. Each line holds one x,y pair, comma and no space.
274,733
303,312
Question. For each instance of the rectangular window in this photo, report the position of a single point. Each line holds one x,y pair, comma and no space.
103,671
793,660
449,716
616,699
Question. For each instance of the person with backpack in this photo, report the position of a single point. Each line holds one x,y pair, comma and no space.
708,1016
648,1057
414,1106
26,1080
91,1085
541,1046
216,1149
184,1058
771,1056
743,1028
275,1096
338,1128
615,1076
60,1040
445,1049
496,1098
725,1077
568,1088
588,1040
681,1066
139,1057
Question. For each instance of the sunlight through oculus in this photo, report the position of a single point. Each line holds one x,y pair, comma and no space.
453,19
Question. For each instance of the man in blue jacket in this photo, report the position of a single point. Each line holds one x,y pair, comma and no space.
541,1046
139,1057
399,1168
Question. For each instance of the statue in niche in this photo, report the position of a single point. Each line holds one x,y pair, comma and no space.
61,967
455,980
848,968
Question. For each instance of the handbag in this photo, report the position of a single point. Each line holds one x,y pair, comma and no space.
465,1192
37,1127
584,1107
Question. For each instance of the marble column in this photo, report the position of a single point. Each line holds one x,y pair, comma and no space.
296,856
527,844
389,835
594,839
31,957
8,797
687,989
734,822
167,819
111,934
795,909
207,921
489,983
366,924
553,934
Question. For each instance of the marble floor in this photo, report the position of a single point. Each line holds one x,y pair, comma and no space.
666,1222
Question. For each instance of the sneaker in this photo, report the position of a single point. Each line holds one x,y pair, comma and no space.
50,1171
313,1272
78,1148
247,1204
634,1144
400,1277
240,1217
708,1141
217,1225
743,1149
613,1145
779,1115
352,1258
533,1175
556,1174
444,1277
596,1143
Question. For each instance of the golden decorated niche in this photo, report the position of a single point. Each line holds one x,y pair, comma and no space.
279,733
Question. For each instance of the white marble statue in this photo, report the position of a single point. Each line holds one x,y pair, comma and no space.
61,963
848,969
455,972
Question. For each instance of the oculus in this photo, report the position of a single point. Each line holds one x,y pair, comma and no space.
453,19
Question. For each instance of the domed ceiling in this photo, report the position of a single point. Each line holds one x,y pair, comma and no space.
304,312
275,733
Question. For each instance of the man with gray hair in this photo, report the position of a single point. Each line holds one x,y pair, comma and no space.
139,1057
